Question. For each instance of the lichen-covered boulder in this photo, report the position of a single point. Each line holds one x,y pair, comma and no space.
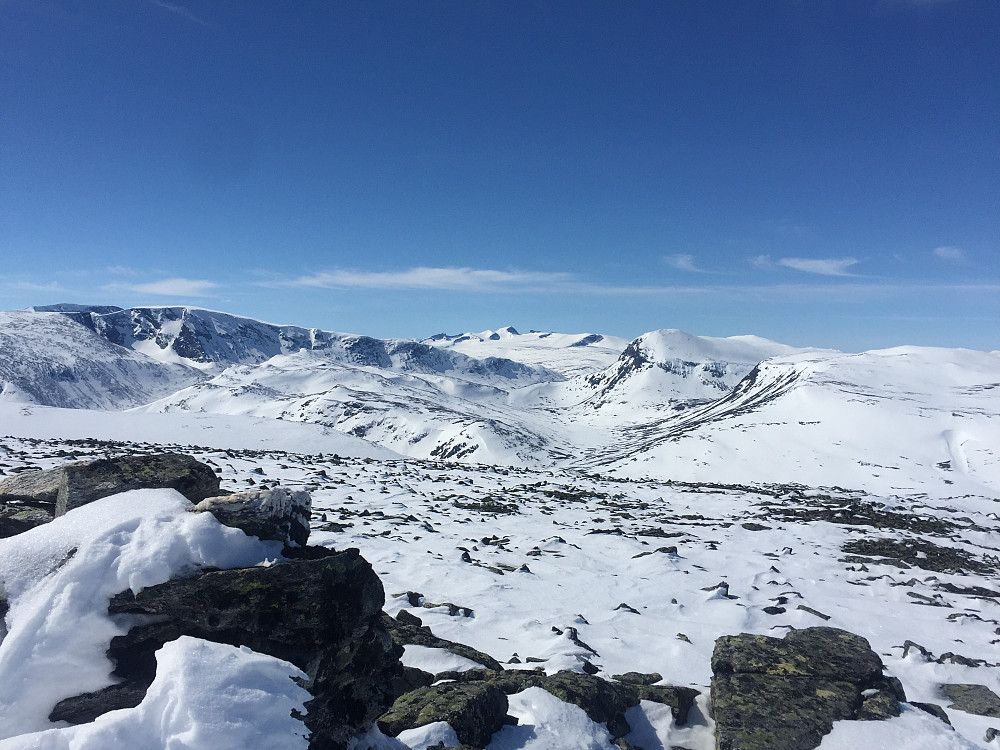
973,699
774,694
18,517
87,481
322,615
277,513
475,710
603,701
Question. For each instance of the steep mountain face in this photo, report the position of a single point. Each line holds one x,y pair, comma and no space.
670,369
425,415
53,360
213,341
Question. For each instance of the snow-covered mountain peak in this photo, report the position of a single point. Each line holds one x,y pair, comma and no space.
669,368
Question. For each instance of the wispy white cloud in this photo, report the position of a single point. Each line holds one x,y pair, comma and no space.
949,252
682,262
178,10
821,266
177,287
422,277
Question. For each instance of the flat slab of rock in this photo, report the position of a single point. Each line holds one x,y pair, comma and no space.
774,694
278,513
973,699
37,487
87,481
32,498
17,518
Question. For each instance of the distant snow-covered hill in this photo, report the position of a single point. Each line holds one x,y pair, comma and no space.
571,354
668,404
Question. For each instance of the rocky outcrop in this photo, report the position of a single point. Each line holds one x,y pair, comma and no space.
87,481
18,517
973,699
322,615
475,710
278,513
32,497
407,631
603,701
774,694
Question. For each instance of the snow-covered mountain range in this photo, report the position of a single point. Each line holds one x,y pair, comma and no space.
667,404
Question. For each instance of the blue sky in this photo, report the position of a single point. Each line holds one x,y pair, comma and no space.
820,172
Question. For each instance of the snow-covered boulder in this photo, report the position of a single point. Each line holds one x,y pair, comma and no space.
277,513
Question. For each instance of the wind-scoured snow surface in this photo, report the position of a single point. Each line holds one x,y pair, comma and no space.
633,566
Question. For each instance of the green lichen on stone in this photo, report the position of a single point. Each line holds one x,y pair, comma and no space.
973,699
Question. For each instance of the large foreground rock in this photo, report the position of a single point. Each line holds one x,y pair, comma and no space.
87,481
774,694
278,513
56,491
323,615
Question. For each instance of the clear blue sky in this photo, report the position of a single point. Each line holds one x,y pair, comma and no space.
820,172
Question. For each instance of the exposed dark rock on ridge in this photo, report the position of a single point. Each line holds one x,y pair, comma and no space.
322,615
774,694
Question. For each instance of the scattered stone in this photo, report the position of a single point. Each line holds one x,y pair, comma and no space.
638,678
278,513
405,634
785,694
992,733
751,526
916,553
627,608
475,710
934,710
812,611
973,699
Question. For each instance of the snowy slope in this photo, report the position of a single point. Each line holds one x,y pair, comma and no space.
571,354
903,419
49,359
417,414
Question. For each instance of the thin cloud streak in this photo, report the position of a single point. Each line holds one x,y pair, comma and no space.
682,262
178,10
821,266
949,252
524,282
422,277
177,287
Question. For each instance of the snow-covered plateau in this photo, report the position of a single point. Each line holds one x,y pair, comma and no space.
556,501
